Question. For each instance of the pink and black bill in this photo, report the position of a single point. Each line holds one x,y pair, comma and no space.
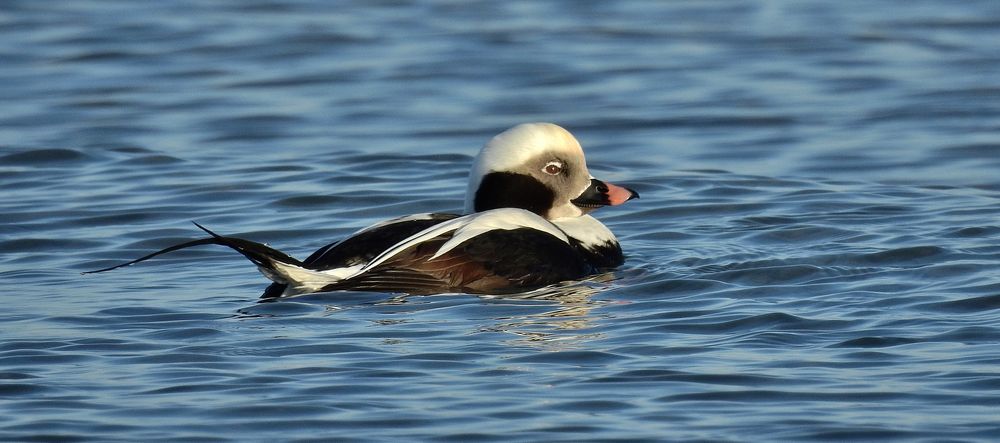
601,193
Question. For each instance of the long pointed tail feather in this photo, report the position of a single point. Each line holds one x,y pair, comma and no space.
277,266
260,254
204,241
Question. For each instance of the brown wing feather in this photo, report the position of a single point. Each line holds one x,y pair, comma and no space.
413,271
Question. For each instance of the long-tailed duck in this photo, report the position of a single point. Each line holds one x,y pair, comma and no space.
526,226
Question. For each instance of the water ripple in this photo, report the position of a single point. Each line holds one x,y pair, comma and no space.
814,256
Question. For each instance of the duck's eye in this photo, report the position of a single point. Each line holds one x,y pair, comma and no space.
552,168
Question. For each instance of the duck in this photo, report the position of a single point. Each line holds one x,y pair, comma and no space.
526,224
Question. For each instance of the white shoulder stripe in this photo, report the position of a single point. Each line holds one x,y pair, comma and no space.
422,236
467,227
504,218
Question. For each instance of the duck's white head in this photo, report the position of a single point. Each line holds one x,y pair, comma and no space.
539,167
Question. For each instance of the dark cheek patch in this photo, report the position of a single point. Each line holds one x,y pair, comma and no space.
509,190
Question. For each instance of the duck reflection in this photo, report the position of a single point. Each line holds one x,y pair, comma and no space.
563,326
555,317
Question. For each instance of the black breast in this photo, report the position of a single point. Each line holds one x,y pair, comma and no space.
601,256
525,257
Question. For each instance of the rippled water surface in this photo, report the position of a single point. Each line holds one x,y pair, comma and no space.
816,254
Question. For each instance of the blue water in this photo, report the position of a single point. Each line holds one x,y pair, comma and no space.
816,254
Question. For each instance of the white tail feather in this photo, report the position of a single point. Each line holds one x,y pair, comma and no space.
301,278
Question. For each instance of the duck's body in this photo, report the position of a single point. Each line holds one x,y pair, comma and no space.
526,227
